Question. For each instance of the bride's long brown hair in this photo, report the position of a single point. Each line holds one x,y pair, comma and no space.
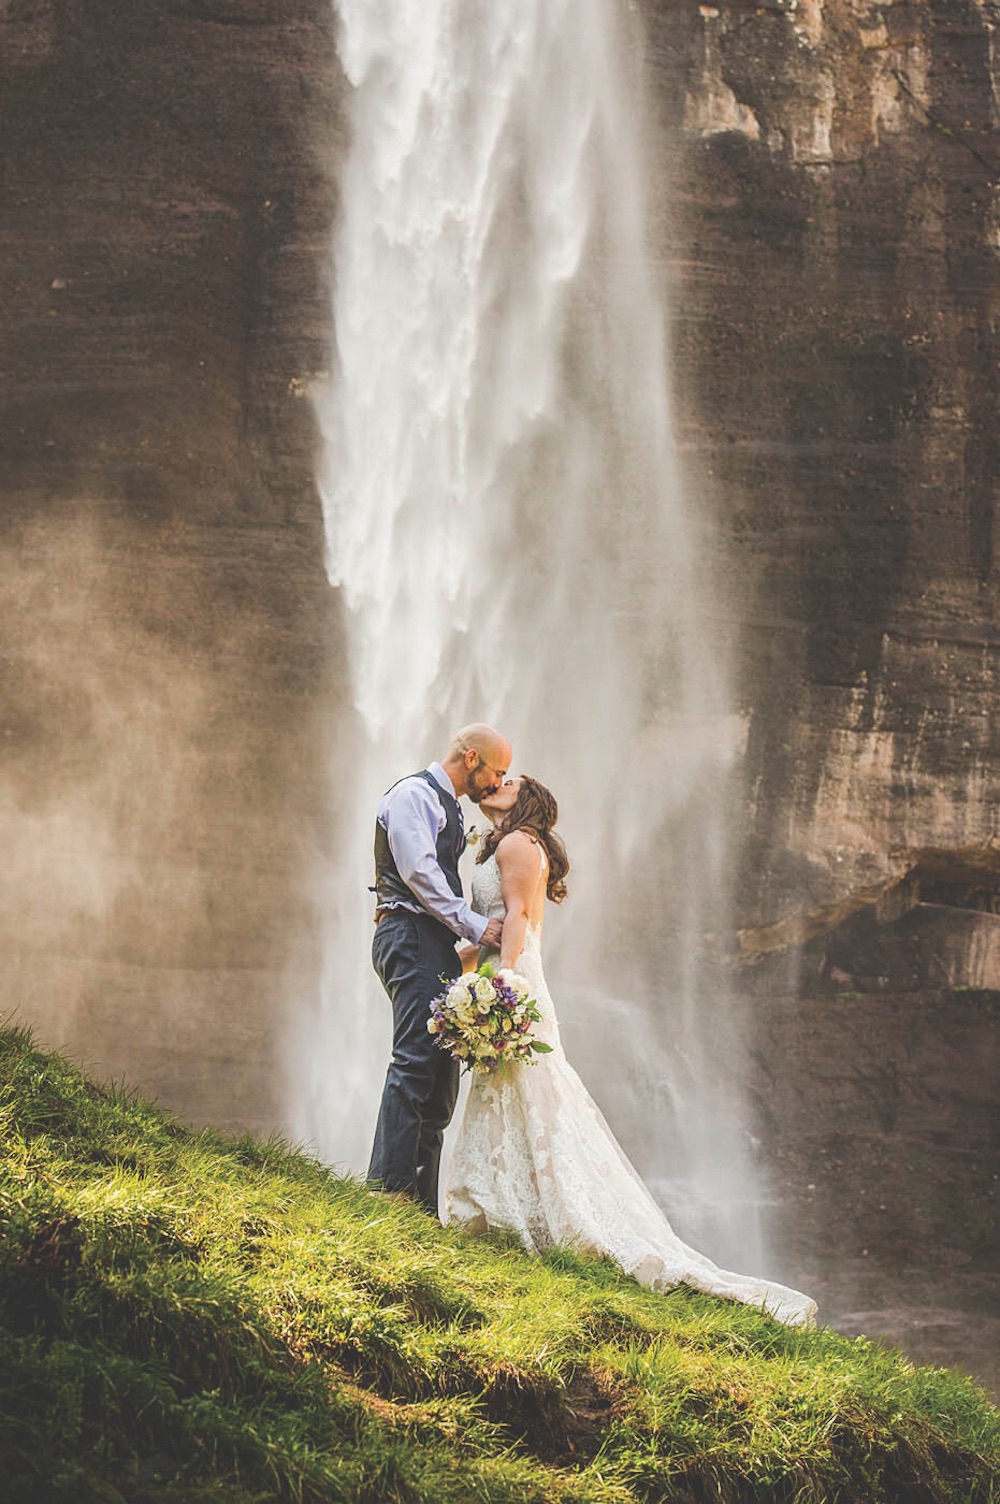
536,811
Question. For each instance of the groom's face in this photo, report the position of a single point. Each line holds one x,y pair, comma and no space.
485,778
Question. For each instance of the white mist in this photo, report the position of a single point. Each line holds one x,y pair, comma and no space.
507,533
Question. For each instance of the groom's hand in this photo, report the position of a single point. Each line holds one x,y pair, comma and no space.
491,934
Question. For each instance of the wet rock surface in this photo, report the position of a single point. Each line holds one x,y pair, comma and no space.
836,341
836,282
830,225
879,1113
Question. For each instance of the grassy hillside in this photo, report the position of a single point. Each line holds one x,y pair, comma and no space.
190,1318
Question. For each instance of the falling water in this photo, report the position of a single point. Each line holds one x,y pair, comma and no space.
506,531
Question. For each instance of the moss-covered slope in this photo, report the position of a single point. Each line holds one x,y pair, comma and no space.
189,1318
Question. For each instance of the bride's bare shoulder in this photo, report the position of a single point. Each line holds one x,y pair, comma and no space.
516,846
520,848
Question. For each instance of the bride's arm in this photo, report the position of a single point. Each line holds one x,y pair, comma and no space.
517,858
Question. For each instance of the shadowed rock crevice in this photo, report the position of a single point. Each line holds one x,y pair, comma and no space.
931,890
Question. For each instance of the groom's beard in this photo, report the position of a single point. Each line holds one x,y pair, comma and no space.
476,791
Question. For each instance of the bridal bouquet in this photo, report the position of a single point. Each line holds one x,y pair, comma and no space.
484,1020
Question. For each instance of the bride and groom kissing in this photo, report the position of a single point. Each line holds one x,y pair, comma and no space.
533,1154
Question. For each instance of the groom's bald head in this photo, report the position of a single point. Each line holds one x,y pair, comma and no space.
478,760
481,738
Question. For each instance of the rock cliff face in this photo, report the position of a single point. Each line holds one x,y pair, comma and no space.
830,226
167,641
837,332
837,271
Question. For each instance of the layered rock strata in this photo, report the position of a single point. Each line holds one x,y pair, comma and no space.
837,317
836,311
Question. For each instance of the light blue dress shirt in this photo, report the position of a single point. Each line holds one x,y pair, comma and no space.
412,817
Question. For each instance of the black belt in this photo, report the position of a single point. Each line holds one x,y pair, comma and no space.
381,914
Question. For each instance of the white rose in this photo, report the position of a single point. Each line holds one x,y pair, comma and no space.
457,994
485,990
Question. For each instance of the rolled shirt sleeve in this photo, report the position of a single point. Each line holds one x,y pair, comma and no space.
413,819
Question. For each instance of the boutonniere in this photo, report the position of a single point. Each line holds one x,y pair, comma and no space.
473,835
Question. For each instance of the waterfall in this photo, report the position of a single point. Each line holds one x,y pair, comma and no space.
507,534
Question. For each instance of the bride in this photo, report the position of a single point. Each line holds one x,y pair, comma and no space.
533,1155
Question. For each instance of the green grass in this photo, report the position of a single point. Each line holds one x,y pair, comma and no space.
188,1318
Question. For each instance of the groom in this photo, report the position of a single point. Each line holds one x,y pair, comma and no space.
420,912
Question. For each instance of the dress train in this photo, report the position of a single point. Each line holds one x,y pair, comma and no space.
535,1156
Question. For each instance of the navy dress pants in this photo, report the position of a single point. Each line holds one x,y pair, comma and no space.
411,953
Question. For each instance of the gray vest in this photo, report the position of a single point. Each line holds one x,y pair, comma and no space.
390,888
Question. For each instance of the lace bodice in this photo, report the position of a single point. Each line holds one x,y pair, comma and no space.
487,897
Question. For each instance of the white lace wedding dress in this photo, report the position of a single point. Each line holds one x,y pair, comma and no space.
535,1157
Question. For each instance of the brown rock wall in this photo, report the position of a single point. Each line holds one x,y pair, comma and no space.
829,223
836,311
167,636
881,1120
